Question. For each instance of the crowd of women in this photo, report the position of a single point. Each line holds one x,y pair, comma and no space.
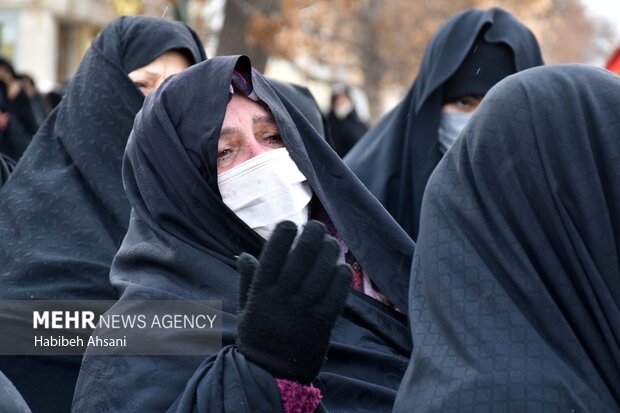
22,110
463,256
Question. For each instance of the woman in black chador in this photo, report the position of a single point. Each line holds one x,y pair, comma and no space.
343,123
63,211
515,293
466,57
210,171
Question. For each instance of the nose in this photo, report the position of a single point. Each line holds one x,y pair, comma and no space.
255,148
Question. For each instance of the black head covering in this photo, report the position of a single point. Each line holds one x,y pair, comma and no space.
515,294
339,90
182,242
6,65
302,99
485,65
395,158
66,196
63,212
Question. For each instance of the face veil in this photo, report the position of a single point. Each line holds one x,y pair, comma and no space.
395,158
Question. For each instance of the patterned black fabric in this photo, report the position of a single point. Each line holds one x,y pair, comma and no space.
515,293
14,140
63,212
10,399
395,158
302,99
6,167
182,242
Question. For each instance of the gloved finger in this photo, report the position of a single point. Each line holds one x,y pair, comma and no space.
319,279
246,266
303,256
336,295
275,253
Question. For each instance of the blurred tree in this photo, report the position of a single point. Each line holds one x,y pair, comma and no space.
127,7
239,21
378,44
187,11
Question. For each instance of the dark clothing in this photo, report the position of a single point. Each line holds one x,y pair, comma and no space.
6,167
345,133
396,157
515,291
10,399
301,99
20,108
63,213
182,243
39,110
486,64
15,139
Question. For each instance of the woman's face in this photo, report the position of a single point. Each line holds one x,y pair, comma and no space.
248,130
148,78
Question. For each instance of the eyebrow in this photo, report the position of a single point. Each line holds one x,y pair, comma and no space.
148,73
228,131
259,119
263,119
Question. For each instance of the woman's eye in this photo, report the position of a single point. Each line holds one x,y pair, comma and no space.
222,154
275,139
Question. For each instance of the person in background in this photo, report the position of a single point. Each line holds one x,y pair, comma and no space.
344,125
63,211
17,102
4,135
464,59
14,138
515,289
37,105
51,99
204,228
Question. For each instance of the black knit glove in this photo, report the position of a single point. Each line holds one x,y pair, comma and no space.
289,301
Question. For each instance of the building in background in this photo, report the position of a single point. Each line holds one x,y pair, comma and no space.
47,38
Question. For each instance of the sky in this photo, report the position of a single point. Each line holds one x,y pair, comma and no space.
607,9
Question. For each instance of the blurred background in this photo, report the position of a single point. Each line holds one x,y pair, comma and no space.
372,46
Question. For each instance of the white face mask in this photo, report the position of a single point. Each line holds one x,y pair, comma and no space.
450,126
342,111
265,190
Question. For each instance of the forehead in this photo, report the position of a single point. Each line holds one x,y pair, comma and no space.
241,106
171,60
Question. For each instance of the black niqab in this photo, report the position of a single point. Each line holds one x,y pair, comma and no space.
183,240
63,211
395,158
515,291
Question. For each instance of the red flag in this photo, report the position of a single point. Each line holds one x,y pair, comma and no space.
613,63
